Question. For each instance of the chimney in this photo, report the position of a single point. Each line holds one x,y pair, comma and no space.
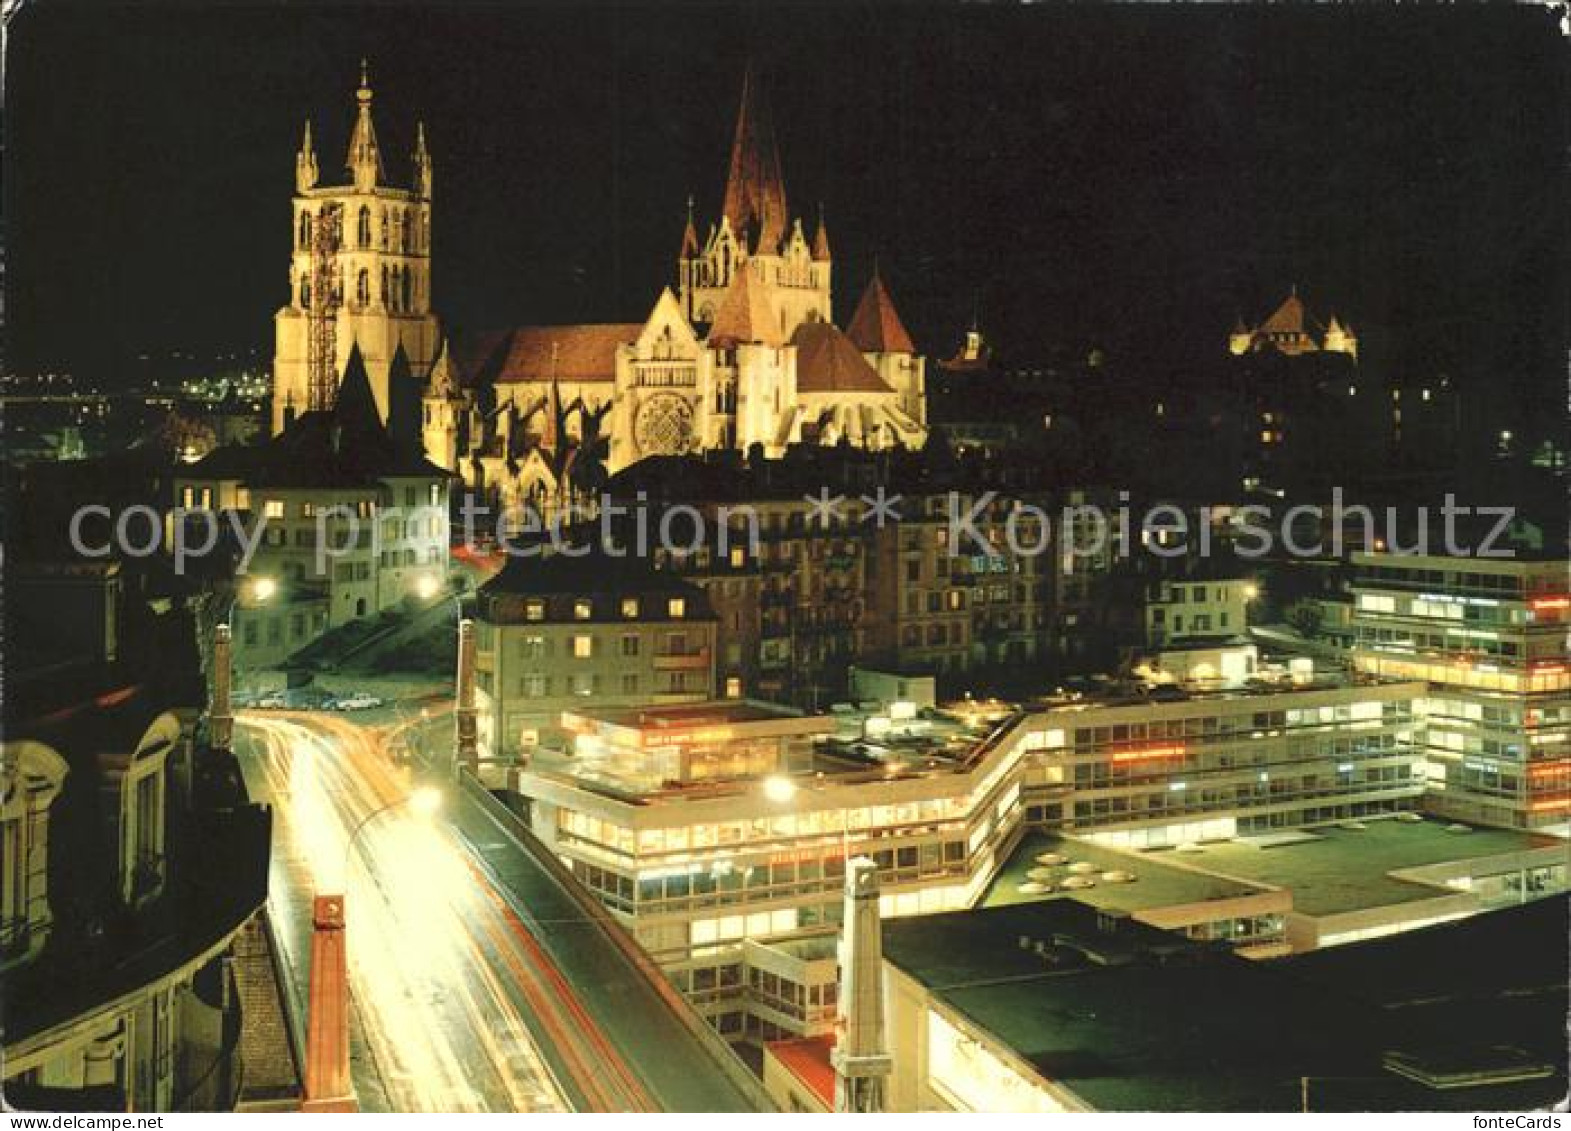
220,715
860,1058
466,747
328,1087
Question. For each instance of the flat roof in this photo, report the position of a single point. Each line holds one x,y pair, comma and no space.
1337,868
1156,883
716,712
1160,1023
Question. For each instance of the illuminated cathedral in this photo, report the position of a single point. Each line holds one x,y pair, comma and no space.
741,352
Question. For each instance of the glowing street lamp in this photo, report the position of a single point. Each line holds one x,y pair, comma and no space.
427,587
220,714
779,790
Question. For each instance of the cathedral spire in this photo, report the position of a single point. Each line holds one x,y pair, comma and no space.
821,237
689,234
305,162
422,163
755,200
365,157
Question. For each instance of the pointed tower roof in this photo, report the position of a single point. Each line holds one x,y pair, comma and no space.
744,315
876,325
1289,317
755,199
365,156
442,381
821,238
305,162
354,408
422,162
689,235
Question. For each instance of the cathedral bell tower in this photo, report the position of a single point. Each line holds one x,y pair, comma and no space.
359,273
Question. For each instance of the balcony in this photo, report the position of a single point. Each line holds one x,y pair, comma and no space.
695,659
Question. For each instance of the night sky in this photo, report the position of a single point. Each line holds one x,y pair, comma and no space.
1123,177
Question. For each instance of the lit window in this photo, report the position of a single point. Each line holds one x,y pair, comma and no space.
629,606
738,557
583,647
583,609
273,508
733,687
534,610
676,608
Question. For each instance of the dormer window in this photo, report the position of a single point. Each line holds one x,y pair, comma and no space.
676,608
630,607
534,610
583,609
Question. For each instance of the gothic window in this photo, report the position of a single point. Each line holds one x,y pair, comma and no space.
384,285
305,231
386,227
409,231
364,231
363,287
403,300
305,291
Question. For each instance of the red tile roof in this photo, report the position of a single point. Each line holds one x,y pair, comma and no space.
744,314
876,327
828,362
807,1058
821,241
567,353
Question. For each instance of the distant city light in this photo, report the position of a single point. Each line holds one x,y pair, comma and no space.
263,588
779,790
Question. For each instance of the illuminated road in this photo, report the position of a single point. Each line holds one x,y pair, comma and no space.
477,985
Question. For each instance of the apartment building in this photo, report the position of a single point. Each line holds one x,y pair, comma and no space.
557,631
348,522
1489,637
132,863
1184,610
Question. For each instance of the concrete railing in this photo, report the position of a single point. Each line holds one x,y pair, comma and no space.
721,1054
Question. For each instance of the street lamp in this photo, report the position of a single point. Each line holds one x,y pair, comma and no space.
263,588
425,800
427,586
220,715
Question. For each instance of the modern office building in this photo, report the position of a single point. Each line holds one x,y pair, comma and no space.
1140,773
1061,1007
1489,637
721,831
